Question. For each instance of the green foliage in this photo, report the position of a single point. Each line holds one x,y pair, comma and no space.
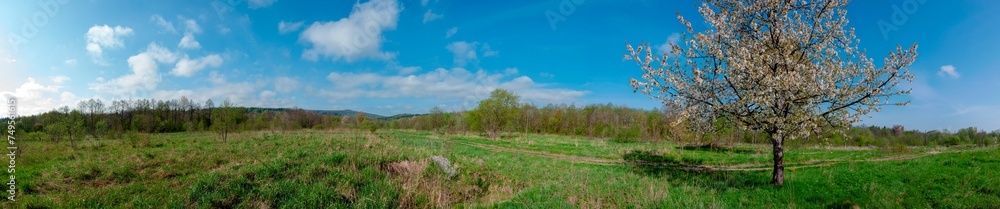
627,135
594,120
436,120
56,130
952,140
863,137
102,127
372,127
498,112
35,136
137,140
473,121
226,119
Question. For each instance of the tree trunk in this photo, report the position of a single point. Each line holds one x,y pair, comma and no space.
778,176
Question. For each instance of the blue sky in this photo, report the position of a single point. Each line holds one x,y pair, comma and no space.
389,57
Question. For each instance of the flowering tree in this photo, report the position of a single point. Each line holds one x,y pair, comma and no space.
788,68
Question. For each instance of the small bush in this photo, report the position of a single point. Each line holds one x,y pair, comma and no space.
627,135
372,128
35,136
137,140
952,141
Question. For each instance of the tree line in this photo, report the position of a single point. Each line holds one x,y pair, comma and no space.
95,118
504,113
501,113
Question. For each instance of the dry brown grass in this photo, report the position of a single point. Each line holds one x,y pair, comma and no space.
407,169
423,188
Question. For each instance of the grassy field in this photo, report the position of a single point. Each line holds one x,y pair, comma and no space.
388,169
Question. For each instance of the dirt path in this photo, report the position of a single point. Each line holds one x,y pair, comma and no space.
697,167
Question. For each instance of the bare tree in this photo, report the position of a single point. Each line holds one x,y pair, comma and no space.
786,68
898,130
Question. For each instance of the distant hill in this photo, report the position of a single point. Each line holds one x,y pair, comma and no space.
338,113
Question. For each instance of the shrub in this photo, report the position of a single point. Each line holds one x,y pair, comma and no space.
864,139
627,135
35,136
952,140
372,127
136,139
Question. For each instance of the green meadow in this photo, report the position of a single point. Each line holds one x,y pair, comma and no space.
394,169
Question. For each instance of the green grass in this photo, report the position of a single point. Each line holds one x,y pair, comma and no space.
310,169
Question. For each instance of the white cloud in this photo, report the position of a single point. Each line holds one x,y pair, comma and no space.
161,55
256,4
948,71
465,52
215,78
247,93
285,84
288,27
267,94
100,37
67,97
408,70
144,72
188,67
532,92
59,79
547,75
510,71
30,90
71,62
430,16
451,32
665,48
489,52
188,42
356,37
34,98
191,26
457,83
163,23
223,30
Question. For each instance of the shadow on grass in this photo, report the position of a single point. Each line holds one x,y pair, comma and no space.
690,171
713,147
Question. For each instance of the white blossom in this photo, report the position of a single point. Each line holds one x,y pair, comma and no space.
787,68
